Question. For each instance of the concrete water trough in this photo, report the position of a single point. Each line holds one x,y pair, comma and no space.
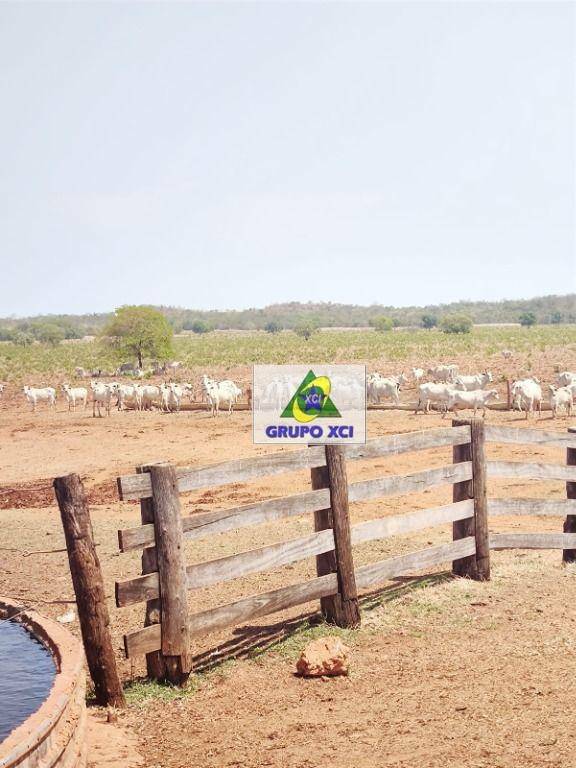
54,733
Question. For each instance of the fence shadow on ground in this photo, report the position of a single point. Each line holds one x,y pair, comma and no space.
254,639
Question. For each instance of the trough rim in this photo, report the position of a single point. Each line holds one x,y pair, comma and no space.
68,656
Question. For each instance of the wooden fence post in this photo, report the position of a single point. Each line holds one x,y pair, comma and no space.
89,590
326,562
340,609
171,573
475,566
569,555
348,609
155,666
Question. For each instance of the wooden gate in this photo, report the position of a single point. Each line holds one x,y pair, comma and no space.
170,626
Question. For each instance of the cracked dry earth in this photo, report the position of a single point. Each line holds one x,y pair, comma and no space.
444,672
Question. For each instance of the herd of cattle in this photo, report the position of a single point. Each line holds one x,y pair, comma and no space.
167,396
446,390
450,391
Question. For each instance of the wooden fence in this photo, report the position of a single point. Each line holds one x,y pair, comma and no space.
166,578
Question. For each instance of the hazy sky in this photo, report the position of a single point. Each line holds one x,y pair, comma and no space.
238,154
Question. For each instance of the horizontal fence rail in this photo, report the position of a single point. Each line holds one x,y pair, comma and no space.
205,524
337,579
531,471
519,436
552,507
148,639
147,587
532,540
375,573
138,486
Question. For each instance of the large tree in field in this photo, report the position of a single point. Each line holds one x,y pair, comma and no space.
140,332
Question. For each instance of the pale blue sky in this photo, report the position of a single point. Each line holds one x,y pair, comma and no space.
218,155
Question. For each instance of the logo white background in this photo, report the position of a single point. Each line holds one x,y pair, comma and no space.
275,385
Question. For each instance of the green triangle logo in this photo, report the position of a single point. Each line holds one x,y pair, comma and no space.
311,400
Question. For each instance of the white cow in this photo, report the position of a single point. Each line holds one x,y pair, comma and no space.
471,383
565,379
443,373
377,388
417,374
220,393
527,393
506,354
475,399
2,388
75,395
560,397
129,394
35,396
432,392
150,394
101,396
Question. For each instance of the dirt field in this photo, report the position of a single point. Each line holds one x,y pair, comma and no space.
444,671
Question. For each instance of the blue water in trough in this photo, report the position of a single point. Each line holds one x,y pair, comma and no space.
26,675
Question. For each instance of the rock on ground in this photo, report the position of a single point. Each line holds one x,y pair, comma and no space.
325,656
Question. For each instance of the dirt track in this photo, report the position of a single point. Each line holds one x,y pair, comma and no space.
456,673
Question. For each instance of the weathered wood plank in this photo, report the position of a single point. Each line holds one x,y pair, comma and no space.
171,572
385,527
348,613
239,470
532,540
393,445
375,573
236,471
531,471
497,434
155,663
550,507
462,529
325,561
207,523
88,584
231,567
148,639
476,567
146,587
397,485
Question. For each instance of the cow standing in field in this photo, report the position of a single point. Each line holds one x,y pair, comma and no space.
527,395
377,387
35,396
75,395
443,374
101,396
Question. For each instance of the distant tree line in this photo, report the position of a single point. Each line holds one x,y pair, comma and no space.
304,318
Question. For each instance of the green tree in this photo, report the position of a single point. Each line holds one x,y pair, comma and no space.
49,333
139,331
382,323
456,323
272,327
305,329
428,321
527,319
199,326
556,318
23,339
